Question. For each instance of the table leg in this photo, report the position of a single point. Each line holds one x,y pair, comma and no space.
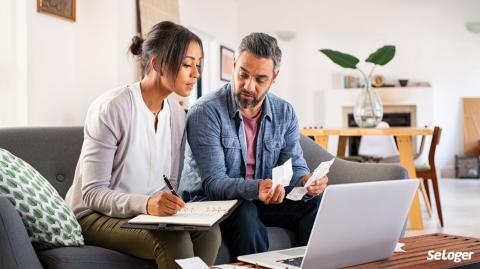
342,146
322,140
406,159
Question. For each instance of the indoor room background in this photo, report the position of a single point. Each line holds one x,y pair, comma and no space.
51,69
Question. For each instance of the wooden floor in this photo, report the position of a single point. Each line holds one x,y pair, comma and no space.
461,209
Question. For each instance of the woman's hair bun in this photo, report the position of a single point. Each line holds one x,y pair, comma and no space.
136,46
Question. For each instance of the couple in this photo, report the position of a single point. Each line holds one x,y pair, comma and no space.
134,134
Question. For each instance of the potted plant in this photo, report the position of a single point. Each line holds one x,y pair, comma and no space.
368,110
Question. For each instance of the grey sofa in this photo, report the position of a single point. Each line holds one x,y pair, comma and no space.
54,151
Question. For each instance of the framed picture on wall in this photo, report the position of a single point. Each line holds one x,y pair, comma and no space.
60,8
226,63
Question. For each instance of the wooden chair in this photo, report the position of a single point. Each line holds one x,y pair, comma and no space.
429,172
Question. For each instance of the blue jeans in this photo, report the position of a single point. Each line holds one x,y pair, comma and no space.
245,230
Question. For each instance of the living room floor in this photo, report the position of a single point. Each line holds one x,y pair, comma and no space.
461,209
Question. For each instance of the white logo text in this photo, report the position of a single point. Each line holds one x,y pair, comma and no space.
448,256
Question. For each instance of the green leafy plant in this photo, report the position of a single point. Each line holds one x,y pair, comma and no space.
381,56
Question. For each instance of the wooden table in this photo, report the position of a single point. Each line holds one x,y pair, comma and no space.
417,248
404,141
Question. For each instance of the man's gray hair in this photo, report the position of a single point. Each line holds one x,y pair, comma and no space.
262,45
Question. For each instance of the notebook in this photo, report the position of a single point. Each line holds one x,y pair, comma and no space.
195,216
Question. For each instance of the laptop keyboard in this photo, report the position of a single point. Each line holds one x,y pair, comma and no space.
293,261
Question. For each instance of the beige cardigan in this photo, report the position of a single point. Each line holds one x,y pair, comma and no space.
107,134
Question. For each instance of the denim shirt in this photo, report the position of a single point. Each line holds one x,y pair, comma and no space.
215,157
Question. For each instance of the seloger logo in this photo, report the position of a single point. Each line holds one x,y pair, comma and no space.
448,256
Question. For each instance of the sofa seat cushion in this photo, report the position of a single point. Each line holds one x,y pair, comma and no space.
278,238
47,219
90,257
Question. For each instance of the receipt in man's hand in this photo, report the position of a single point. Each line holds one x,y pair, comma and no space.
297,193
282,174
319,172
322,170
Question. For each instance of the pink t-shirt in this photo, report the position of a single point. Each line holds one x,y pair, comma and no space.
251,133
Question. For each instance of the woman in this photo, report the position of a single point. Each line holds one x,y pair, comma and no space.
133,136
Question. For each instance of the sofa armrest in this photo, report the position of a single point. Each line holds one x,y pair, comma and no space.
16,250
343,171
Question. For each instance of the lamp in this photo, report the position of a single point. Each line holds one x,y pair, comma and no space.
473,26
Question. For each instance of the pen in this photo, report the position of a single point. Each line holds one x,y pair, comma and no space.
172,190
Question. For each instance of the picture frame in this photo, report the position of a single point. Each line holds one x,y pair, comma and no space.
226,63
65,9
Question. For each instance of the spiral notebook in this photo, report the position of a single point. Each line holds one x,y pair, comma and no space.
195,216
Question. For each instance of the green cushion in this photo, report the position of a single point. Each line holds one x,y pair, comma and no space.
422,167
48,221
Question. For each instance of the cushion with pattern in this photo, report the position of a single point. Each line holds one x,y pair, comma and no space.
47,219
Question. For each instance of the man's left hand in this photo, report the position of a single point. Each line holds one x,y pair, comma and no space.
317,187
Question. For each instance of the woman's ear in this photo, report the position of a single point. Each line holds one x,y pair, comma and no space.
153,64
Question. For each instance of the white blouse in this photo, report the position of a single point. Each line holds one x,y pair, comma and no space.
149,157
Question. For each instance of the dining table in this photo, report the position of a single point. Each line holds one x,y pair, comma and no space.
404,137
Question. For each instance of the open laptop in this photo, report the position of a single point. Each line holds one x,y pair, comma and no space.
355,223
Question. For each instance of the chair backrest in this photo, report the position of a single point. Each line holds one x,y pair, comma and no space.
437,132
378,146
417,154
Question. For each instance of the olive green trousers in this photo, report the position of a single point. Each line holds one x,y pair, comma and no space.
162,246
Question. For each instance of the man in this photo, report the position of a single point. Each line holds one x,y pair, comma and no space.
236,135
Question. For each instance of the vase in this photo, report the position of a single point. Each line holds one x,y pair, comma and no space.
368,110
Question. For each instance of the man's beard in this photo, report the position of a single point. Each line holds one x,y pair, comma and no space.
244,104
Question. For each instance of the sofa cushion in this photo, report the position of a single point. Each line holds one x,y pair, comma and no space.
278,238
90,257
49,222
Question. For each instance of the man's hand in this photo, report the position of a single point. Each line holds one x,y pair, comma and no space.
269,195
264,191
317,187
164,204
278,195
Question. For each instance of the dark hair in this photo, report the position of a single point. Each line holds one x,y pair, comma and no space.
262,45
167,41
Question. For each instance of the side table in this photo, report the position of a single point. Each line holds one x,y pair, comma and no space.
417,251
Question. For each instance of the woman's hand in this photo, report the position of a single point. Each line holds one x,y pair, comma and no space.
164,204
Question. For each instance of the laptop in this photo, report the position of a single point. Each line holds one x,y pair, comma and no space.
356,223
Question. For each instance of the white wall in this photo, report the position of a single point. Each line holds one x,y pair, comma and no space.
71,63
432,45
13,64
54,68
67,64
217,23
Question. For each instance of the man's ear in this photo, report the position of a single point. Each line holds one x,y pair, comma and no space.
275,75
